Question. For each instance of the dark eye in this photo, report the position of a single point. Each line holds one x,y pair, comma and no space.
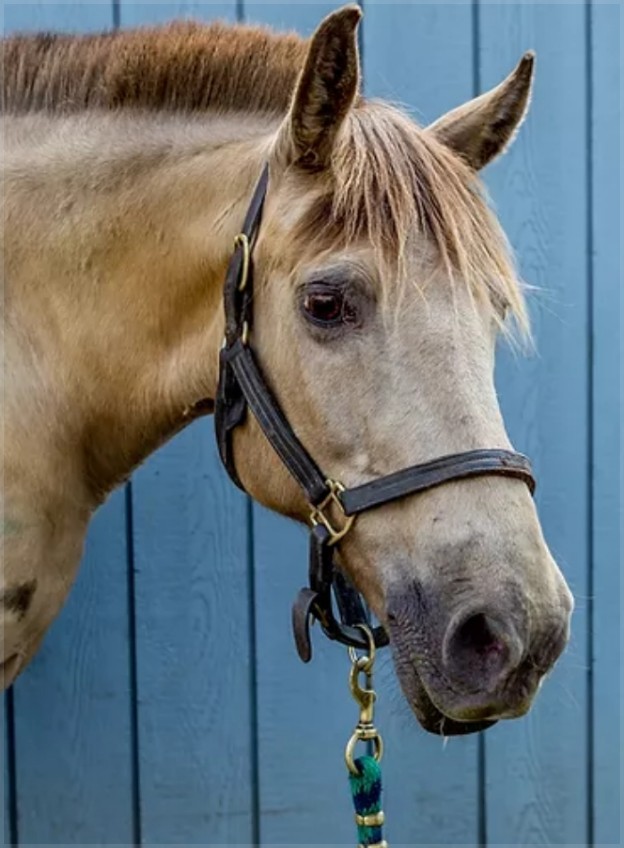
327,307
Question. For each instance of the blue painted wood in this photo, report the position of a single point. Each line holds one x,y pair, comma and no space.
139,13
419,56
537,768
194,643
304,712
199,738
72,706
422,57
192,612
76,16
5,793
606,421
193,627
193,647
284,17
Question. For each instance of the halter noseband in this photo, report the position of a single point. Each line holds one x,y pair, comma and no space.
333,507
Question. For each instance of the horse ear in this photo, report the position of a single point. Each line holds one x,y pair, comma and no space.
325,91
482,129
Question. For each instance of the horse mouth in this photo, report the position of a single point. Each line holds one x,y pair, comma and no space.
434,721
430,717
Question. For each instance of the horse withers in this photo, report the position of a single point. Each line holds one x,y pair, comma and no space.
382,280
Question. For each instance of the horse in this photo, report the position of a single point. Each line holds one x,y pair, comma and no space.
382,281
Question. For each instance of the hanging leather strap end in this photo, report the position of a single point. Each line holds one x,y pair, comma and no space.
302,618
230,411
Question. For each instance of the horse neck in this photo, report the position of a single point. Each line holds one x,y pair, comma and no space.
136,290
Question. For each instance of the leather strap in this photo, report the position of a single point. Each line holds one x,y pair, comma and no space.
241,382
427,475
237,304
274,423
316,602
230,403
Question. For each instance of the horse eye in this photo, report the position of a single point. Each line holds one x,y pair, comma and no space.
325,307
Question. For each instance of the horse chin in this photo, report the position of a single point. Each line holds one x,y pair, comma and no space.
429,716
434,721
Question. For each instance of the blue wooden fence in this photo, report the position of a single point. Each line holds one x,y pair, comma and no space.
167,706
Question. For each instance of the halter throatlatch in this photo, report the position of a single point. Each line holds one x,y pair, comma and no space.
330,599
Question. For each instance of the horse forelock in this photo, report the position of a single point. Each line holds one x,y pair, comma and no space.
392,181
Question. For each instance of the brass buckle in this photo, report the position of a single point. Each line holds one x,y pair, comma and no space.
318,516
241,240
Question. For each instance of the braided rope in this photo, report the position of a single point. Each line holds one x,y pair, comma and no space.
366,792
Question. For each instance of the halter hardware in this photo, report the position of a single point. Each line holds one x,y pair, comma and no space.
243,388
318,516
365,697
242,241
365,772
373,820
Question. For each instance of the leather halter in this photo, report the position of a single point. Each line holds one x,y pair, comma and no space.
333,508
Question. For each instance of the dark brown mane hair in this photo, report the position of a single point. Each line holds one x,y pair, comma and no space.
389,179
183,66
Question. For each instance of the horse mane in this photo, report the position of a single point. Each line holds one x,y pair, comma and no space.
389,178
182,66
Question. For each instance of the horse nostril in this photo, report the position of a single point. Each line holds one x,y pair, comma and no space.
479,634
480,649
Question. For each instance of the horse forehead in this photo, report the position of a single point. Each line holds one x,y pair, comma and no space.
288,200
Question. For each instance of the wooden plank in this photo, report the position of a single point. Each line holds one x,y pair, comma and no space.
5,732
284,17
606,507
77,16
193,619
192,611
194,674
537,767
421,55
305,713
193,647
72,706
292,697
73,738
139,13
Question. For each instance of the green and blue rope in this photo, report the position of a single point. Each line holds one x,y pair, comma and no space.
366,792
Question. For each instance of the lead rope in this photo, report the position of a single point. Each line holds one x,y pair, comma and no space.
365,771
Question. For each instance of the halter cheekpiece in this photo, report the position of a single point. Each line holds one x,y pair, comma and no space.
333,507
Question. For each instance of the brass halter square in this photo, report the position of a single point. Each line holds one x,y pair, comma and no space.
318,514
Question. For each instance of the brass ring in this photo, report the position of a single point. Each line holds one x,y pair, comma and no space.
370,656
378,748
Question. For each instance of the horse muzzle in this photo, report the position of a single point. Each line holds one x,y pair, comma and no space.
465,671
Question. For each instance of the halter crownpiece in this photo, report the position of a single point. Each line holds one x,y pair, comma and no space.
333,507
